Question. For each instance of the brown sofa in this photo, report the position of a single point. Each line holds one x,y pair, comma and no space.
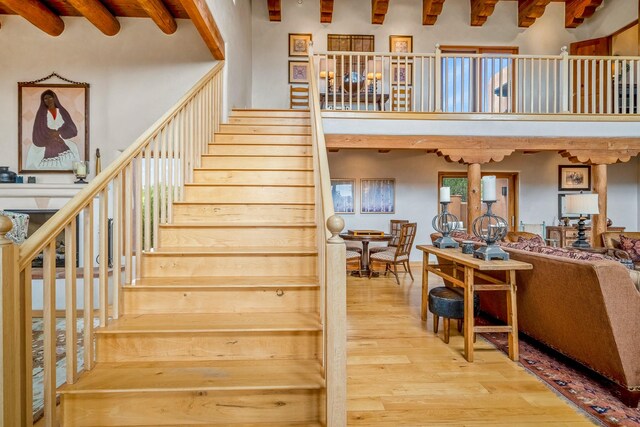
587,310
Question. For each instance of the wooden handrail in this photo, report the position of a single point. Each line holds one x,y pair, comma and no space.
54,226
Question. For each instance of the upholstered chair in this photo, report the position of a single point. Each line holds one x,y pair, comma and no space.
399,254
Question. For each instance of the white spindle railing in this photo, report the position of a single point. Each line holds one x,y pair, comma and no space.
331,267
136,191
477,83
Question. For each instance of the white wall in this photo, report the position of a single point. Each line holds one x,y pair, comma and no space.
609,18
416,175
270,39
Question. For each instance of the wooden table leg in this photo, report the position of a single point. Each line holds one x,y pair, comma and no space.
425,286
469,321
512,315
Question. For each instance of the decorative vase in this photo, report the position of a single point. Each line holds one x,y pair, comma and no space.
7,176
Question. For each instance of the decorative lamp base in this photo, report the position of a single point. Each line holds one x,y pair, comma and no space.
582,242
489,252
80,181
445,242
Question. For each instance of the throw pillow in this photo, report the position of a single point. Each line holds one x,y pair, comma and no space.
632,246
566,253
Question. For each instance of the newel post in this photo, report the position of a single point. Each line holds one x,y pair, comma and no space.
10,385
336,325
438,80
566,84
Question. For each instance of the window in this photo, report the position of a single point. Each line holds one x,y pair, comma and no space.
477,84
350,43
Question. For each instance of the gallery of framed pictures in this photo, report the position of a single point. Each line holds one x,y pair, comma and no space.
343,193
299,44
401,44
574,178
378,195
53,126
298,72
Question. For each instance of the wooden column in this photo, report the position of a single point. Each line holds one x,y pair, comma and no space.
11,378
599,222
474,205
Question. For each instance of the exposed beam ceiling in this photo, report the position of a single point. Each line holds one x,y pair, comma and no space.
326,11
275,10
160,15
379,11
576,11
530,10
431,9
38,14
481,10
201,16
98,15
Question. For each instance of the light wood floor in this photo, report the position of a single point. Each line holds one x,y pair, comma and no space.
401,374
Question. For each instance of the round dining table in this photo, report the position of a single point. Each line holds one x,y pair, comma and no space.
366,239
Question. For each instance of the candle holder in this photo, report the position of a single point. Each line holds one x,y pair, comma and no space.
490,228
445,223
81,170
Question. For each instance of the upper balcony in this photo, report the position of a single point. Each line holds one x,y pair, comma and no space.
522,98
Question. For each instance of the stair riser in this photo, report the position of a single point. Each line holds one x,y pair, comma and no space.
233,194
227,300
190,407
269,121
223,138
294,163
260,150
270,113
197,265
264,129
243,213
235,345
253,177
174,236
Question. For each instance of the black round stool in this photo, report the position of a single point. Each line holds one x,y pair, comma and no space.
449,303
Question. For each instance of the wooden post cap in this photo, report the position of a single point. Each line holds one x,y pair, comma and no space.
335,224
5,226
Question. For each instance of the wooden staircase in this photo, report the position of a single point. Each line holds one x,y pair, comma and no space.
223,326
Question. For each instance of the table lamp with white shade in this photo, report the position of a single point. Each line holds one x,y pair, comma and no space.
582,204
374,73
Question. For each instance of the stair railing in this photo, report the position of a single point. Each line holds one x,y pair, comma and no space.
331,268
136,191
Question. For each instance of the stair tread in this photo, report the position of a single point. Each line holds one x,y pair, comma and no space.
252,224
213,281
239,250
207,202
198,375
256,156
278,144
212,322
256,185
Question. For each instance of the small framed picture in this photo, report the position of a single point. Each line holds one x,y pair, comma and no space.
574,178
401,44
343,192
299,44
562,209
401,73
378,196
298,72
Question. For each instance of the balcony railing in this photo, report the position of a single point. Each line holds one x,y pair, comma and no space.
478,83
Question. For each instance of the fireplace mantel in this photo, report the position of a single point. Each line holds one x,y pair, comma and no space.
37,196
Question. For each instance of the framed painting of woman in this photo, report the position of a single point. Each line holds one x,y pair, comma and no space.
53,126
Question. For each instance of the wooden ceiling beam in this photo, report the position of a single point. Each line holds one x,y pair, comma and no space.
470,156
599,157
202,18
98,15
160,15
275,10
481,10
326,11
379,11
431,9
576,11
38,14
530,10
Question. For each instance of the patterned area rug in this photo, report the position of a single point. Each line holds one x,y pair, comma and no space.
585,390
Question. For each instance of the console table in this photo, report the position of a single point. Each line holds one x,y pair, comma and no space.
565,236
464,269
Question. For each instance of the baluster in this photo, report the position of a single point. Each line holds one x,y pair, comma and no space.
103,256
181,158
616,88
26,303
422,72
49,319
446,84
170,171
408,75
500,84
455,83
438,79
163,177
566,80
342,82
146,202
117,245
128,225
539,85
569,97
625,88
631,88
587,94
138,194
532,93
156,191
87,278
593,86
358,81
601,86
510,98
554,103
70,300
579,91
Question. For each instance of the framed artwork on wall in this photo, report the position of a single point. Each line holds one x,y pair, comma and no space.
378,195
299,44
401,73
298,72
401,44
343,192
574,178
53,125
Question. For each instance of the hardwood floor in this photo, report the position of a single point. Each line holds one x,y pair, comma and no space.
401,374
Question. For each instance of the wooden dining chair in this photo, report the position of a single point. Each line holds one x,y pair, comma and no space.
398,256
401,98
394,229
298,97
354,257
